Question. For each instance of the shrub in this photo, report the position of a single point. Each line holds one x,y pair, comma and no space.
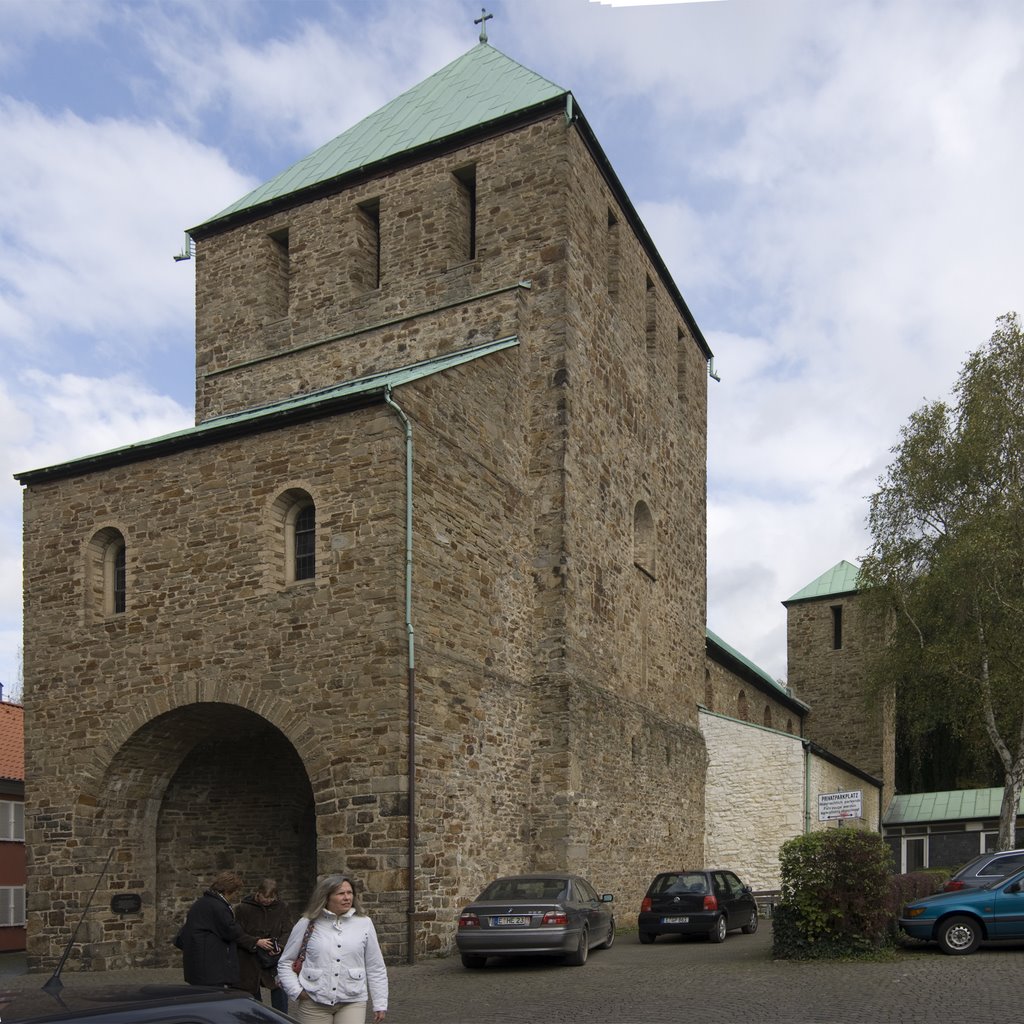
836,898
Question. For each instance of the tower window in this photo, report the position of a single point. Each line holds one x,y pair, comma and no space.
652,318
612,255
279,283
644,539
837,627
465,213
368,244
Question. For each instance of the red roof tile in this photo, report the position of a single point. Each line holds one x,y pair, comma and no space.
12,742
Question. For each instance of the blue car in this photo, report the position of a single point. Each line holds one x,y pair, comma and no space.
960,921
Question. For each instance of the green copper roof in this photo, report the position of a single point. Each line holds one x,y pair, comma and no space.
481,86
757,670
323,402
840,579
954,805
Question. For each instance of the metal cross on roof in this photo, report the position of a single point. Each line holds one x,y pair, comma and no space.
482,22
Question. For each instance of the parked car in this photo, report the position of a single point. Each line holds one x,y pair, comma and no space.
547,914
960,921
989,867
709,901
152,1004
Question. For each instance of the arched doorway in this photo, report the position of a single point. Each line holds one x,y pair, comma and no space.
196,790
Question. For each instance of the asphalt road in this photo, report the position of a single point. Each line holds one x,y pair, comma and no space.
677,980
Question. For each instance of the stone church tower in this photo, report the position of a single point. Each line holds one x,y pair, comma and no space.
830,638
421,596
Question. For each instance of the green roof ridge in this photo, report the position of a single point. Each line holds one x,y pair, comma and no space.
480,87
729,649
948,805
840,579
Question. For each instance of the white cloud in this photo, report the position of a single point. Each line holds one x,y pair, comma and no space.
92,215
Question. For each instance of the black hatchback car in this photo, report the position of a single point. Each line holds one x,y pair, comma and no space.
708,901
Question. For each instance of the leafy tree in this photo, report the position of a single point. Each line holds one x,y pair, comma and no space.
946,565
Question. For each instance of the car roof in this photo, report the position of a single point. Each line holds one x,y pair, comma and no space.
131,1004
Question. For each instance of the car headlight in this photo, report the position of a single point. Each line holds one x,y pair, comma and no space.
915,911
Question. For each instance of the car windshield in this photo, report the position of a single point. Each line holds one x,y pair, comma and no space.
683,882
526,889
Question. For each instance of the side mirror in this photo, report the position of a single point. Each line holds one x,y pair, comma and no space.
607,897
1013,887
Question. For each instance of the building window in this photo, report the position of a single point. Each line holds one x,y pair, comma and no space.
12,820
367,241
12,905
742,708
464,234
279,277
644,539
304,542
837,627
106,574
767,716
652,318
612,256
915,854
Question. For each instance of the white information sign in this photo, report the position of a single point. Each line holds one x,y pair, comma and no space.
839,805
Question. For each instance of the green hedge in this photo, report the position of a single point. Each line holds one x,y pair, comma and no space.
837,896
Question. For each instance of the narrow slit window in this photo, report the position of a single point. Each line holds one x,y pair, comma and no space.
465,214
368,257
652,318
279,283
837,627
118,582
612,256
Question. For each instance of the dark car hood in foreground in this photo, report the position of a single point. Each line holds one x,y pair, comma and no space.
148,1004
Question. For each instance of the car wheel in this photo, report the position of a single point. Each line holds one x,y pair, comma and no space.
718,929
959,935
473,961
646,938
607,944
751,926
579,958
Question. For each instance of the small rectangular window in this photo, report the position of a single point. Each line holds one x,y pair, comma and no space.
279,277
652,318
12,820
465,212
837,627
612,256
368,244
12,905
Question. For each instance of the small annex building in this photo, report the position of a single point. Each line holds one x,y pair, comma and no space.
945,829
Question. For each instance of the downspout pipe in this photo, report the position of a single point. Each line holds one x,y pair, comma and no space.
410,636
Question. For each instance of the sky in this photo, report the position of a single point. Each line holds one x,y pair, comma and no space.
835,186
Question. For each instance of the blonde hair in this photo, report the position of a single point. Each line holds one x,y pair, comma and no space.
324,888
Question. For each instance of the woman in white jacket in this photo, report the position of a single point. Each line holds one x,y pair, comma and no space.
336,945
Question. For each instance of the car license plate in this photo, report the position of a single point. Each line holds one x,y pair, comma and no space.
510,922
675,920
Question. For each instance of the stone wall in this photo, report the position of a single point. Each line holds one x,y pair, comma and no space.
559,633
762,789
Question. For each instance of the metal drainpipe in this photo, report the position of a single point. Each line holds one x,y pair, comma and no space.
807,786
411,678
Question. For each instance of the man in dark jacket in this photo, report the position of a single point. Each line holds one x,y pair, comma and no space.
210,936
263,914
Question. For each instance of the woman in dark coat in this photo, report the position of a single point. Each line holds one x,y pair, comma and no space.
264,915
210,937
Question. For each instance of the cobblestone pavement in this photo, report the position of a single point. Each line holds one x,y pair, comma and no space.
681,980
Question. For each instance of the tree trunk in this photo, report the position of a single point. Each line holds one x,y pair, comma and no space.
1008,809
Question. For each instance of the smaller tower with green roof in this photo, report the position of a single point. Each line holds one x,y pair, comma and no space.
829,638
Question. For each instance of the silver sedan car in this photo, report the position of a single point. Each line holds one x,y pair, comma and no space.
536,915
